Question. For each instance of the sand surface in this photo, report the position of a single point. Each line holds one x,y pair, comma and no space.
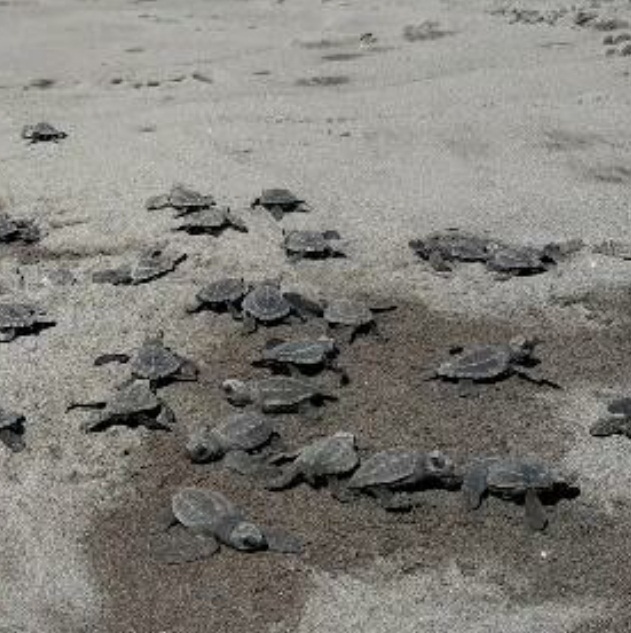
495,121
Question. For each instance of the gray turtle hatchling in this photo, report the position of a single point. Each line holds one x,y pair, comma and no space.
211,513
267,304
617,422
41,133
510,261
151,264
221,295
12,430
156,362
211,221
516,479
14,230
319,461
355,317
303,356
21,318
133,404
442,249
492,362
242,432
389,474
275,394
278,202
182,199
312,244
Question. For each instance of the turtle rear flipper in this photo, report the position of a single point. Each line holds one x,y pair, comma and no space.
283,542
286,479
439,263
536,517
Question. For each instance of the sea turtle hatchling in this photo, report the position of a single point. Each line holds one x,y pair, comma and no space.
354,316
21,318
133,405
491,362
275,394
278,202
211,221
18,230
182,199
323,459
221,295
152,263
511,261
517,479
155,362
241,432
211,513
312,245
389,475
12,430
267,304
616,422
41,133
443,248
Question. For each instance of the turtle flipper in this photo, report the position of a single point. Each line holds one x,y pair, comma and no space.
249,324
529,377
288,478
283,542
277,212
179,545
474,486
536,517
7,334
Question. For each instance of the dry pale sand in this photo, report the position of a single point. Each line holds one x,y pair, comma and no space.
493,124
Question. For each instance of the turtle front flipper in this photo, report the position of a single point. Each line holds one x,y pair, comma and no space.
290,477
277,212
249,324
467,389
474,486
536,516
536,380
283,542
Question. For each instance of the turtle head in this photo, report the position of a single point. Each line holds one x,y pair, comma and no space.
204,447
522,347
439,467
247,537
237,392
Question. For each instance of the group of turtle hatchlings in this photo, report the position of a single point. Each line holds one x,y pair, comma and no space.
247,442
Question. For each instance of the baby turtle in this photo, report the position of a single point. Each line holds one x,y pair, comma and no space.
513,261
211,221
307,356
275,394
182,199
14,230
221,295
516,479
267,304
278,202
387,475
12,430
354,316
312,244
443,248
155,362
328,457
617,422
211,513
492,362
21,318
151,264
41,133
242,432
133,405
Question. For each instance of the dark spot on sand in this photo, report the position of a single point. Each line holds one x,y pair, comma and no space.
116,81
565,140
42,83
426,31
146,129
341,57
135,49
153,83
262,73
202,77
610,174
325,81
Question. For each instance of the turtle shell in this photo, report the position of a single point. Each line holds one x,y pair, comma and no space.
386,468
300,352
228,290
479,362
508,477
19,315
278,197
306,242
516,260
347,312
266,303
453,245
202,508
133,399
42,132
154,361
181,197
279,392
334,455
205,219
247,432
153,263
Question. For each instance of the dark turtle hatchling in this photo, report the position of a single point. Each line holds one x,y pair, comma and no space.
211,221
492,362
390,474
312,245
13,230
510,261
319,461
133,405
356,317
151,264
242,432
307,356
21,318
278,202
616,422
41,133
275,394
443,248
267,304
211,513
12,430
516,479
182,199
221,295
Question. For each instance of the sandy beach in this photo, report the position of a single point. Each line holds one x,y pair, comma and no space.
393,120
